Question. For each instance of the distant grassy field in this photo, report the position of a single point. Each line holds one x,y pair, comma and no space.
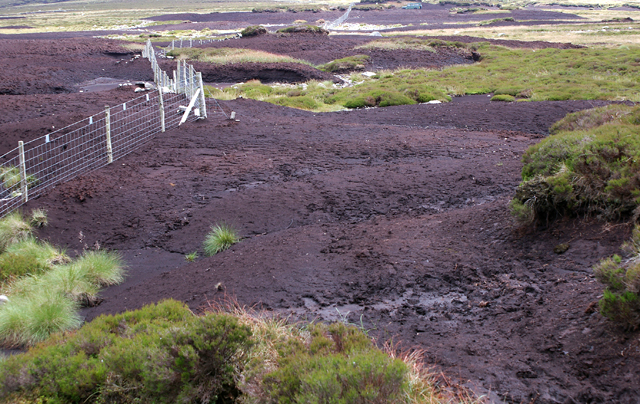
87,15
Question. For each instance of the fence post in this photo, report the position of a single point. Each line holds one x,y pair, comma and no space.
23,173
178,79
203,105
192,87
186,79
161,105
175,82
107,125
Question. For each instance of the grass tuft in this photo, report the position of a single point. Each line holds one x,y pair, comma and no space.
27,320
70,281
44,252
38,218
13,228
221,237
101,268
191,256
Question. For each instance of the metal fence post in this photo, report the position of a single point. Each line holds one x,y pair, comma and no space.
23,173
161,105
107,125
203,105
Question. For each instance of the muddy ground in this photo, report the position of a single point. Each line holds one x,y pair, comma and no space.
394,217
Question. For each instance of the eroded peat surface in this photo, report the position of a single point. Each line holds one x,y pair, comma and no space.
393,218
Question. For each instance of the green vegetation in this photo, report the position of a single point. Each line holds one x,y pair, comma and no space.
411,43
165,354
29,257
253,30
38,218
50,290
44,287
10,178
590,165
347,64
161,353
221,237
225,56
13,228
496,20
621,300
503,97
303,29
101,268
191,257
524,74
339,364
29,319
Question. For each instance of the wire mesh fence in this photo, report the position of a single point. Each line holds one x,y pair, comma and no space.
37,165
340,20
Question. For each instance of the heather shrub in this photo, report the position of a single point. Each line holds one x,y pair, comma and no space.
338,364
161,353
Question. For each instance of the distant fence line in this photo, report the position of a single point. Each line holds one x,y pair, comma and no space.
340,20
42,163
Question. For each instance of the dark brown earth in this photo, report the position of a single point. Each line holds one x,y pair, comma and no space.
394,217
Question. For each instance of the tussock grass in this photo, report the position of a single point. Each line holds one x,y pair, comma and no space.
38,218
69,281
33,318
13,228
101,268
36,274
46,254
225,56
221,237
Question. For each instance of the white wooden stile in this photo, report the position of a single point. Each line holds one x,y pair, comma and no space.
189,108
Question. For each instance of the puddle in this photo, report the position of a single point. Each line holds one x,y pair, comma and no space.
102,84
429,302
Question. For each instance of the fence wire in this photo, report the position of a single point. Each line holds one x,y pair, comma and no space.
40,164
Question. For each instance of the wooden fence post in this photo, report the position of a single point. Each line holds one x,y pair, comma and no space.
161,105
107,124
23,173
178,78
175,82
203,101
